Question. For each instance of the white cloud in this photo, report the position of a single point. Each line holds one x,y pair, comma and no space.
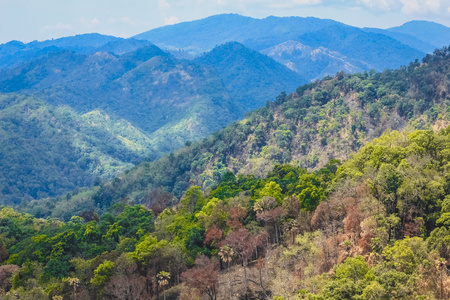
89,22
433,5
424,6
407,7
385,5
121,20
410,6
171,20
57,27
163,4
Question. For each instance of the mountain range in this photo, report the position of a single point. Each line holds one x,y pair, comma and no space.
166,101
236,65
365,47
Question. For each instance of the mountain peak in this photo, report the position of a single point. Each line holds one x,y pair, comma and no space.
433,33
415,23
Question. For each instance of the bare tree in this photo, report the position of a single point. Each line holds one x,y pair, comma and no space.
6,273
203,277
243,244
126,283
158,199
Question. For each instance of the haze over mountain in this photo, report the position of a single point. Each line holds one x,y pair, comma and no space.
147,87
247,74
430,32
406,39
47,150
14,53
153,90
167,102
313,63
215,30
352,48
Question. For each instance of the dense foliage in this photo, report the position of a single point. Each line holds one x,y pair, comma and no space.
375,227
265,210
98,252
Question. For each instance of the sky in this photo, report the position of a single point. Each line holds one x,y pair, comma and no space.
28,20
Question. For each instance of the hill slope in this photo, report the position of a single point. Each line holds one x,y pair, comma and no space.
406,39
378,51
172,100
166,101
47,151
312,63
251,78
322,120
375,227
147,87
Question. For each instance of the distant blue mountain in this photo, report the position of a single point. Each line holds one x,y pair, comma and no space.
14,53
78,41
203,35
404,38
313,63
378,51
430,32
355,48
251,77
172,100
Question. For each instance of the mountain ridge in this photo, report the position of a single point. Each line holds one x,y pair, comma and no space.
377,49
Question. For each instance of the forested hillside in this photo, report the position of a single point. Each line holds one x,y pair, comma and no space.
140,86
122,175
47,150
167,100
328,119
375,227
248,75
173,100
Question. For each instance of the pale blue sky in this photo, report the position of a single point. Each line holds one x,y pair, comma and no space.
28,20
